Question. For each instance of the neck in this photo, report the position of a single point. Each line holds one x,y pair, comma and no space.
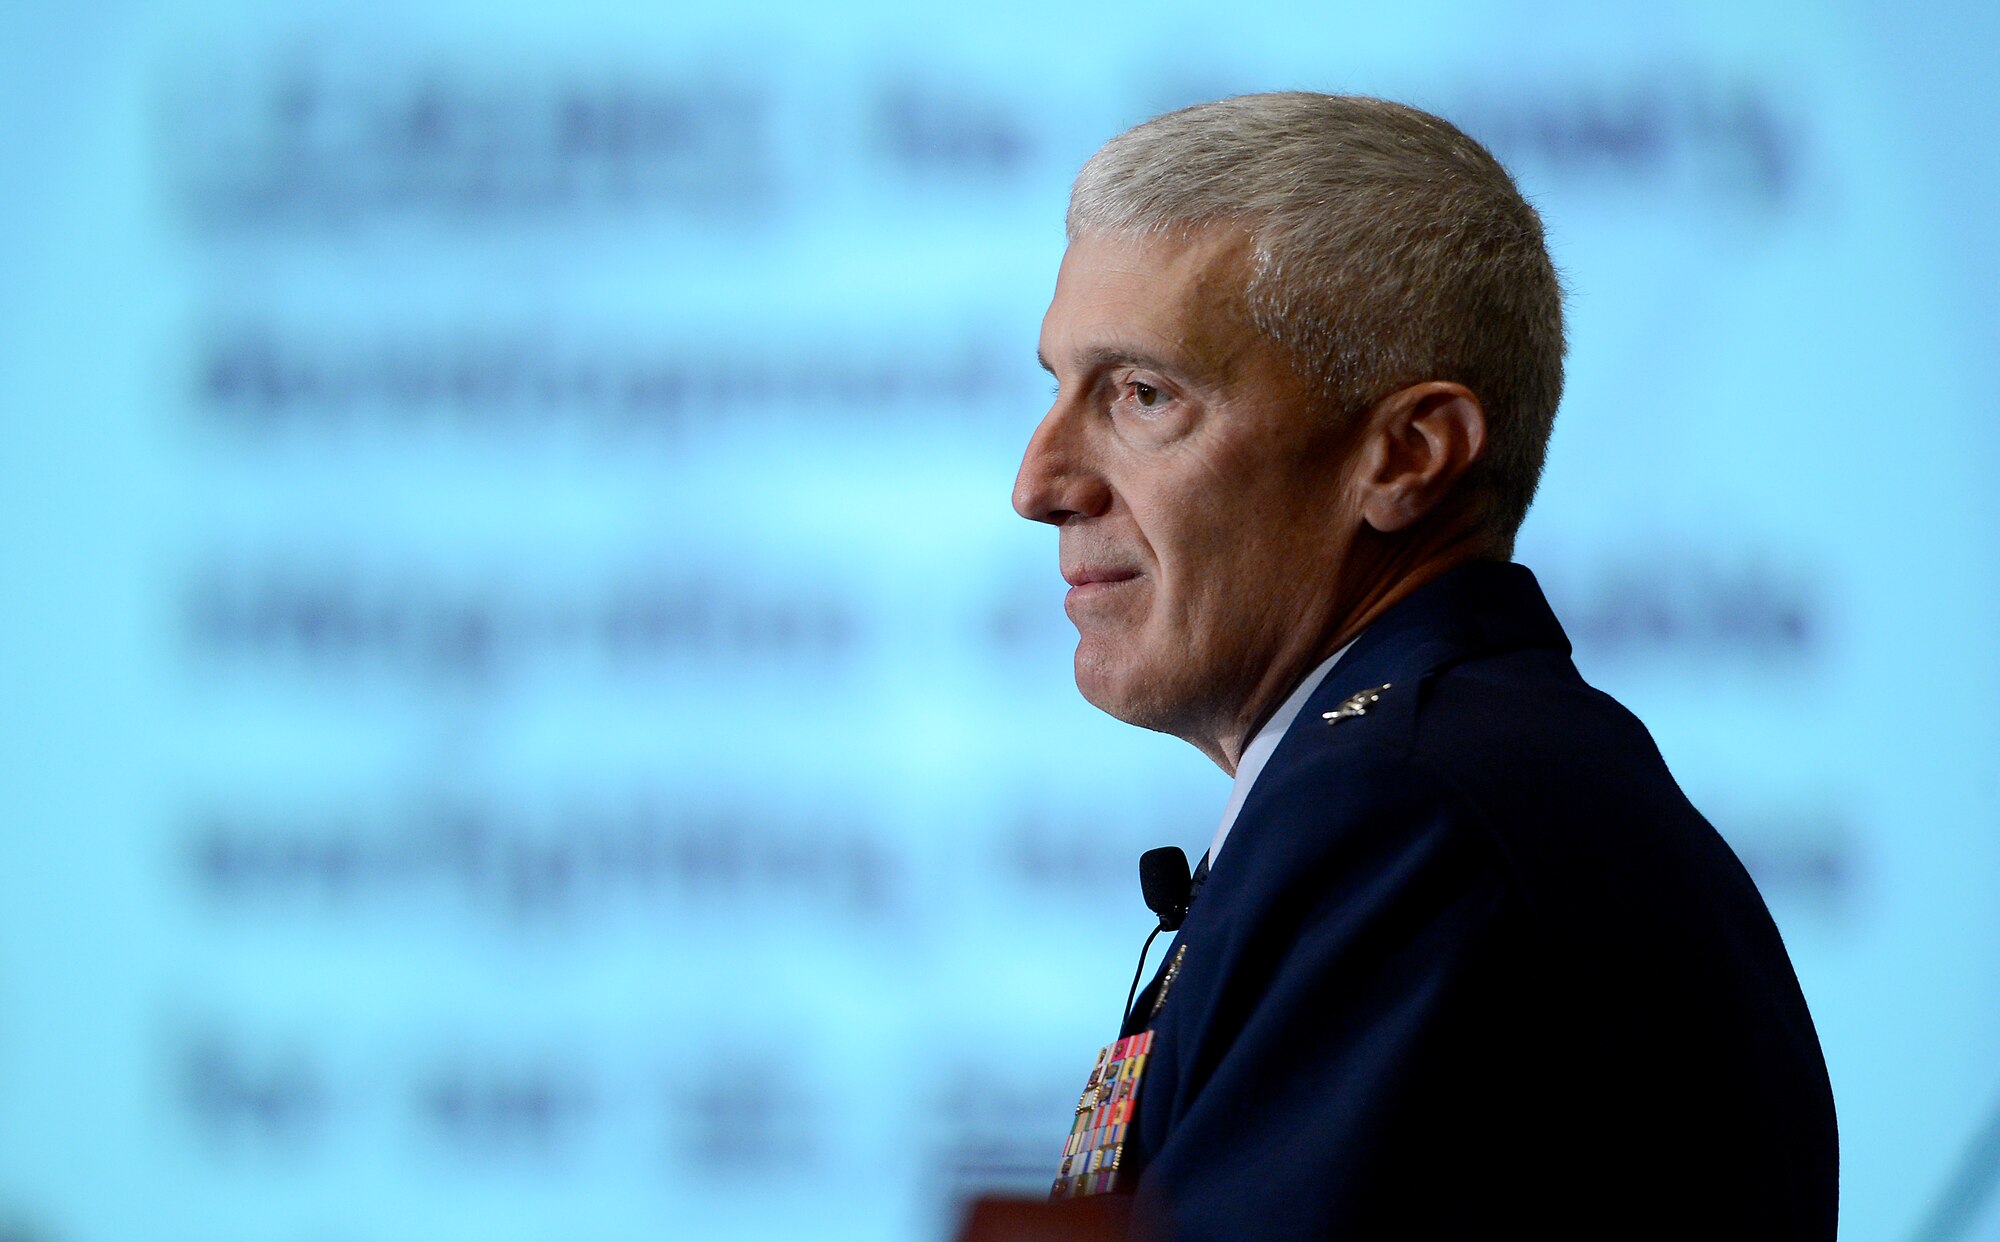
1381,571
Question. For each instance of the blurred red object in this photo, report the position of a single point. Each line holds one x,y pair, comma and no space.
1105,1218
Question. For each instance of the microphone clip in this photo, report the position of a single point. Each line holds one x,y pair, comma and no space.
1166,884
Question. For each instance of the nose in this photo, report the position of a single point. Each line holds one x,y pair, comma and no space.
1058,479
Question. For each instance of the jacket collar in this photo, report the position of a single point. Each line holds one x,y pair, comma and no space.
1473,609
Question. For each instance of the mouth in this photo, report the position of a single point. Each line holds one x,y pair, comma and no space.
1088,575
1088,583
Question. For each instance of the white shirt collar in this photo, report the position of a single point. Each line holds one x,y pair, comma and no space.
1258,752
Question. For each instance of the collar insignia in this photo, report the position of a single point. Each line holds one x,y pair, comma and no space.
1355,705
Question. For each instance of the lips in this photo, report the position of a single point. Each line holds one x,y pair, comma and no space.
1090,584
1086,575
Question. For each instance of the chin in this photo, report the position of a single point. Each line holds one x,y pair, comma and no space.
1114,688
1099,679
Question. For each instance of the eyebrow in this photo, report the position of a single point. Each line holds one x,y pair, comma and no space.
1115,355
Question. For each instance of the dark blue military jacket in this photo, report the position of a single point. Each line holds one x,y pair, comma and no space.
1471,961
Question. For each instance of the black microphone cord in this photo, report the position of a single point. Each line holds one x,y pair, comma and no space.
1133,994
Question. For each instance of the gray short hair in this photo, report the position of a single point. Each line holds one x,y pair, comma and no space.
1389,248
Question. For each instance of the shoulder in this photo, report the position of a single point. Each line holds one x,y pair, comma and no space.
1506,762
1350,825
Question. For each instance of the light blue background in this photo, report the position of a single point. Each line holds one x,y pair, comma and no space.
528,714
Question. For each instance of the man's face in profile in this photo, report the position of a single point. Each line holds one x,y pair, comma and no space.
1198,485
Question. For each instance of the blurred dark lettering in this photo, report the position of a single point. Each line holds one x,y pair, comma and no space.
1703,132
327,146
1091,849
926,130
1686,601
1680,602
500,384
1800,857
257,1104
486,1111
313,146
284,614
995,1132
749,1117
554,860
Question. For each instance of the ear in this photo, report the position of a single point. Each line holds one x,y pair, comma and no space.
1419,442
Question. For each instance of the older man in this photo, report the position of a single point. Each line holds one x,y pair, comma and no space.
1461,955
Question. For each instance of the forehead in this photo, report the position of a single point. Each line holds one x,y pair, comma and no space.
1180,298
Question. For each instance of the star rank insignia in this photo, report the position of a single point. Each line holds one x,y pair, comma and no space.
1097,1139
1355,705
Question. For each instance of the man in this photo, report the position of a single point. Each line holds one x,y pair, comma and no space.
1461,955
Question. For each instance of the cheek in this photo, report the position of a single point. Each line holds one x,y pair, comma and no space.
1249,572
1199,547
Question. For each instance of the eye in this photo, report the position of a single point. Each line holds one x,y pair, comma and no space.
1142,398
